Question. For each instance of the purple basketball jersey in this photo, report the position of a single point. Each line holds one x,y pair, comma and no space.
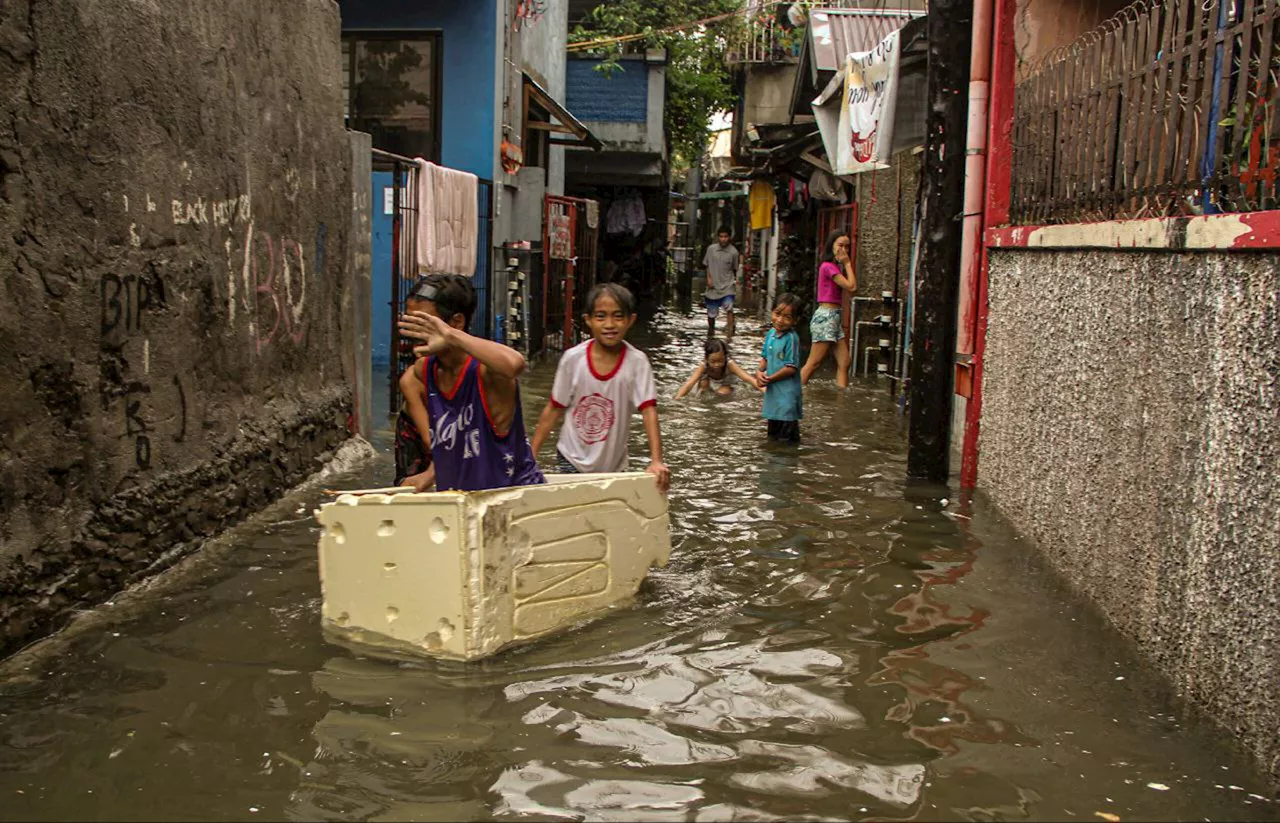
468,453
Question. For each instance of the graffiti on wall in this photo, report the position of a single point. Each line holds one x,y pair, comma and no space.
126,305
269,275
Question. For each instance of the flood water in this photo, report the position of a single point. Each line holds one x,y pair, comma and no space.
826,643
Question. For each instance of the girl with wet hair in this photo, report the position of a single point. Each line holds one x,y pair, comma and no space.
716,373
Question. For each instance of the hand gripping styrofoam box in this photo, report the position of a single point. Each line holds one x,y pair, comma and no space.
463,574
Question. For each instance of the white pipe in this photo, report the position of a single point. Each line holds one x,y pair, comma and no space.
975,170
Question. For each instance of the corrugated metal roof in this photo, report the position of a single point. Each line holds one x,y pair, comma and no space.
834,33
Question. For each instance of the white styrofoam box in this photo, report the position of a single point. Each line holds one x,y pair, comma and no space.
464,574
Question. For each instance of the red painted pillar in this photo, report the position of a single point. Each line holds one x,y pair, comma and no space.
996,209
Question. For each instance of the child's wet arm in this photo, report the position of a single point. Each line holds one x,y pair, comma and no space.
551,416
501,359
691,382
650,416
740,372
414,393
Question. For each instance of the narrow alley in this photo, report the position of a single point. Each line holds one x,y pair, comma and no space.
828,642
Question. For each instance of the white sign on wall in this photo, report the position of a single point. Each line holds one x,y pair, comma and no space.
865,132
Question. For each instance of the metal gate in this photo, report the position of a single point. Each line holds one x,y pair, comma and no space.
404,268
570,240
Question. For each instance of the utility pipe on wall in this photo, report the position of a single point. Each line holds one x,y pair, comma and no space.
975,169
996,213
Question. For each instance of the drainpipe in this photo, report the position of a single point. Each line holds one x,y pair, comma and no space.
975,170
995,210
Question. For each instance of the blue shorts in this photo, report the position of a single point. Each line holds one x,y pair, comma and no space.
714,306
825,327
563,466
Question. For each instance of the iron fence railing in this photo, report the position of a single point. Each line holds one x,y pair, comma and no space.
762,39
1167,109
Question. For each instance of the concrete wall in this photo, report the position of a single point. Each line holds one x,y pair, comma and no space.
1131,427
766,97
542,46
175,205
538,49
357,301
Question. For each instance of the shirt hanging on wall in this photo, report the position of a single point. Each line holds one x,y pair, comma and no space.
761,200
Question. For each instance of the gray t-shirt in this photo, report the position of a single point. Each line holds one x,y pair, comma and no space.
722,264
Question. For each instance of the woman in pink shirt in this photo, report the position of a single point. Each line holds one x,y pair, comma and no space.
835,273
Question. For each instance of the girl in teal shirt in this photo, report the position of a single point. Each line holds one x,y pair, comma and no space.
779,372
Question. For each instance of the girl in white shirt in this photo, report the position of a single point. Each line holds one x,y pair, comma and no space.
599,384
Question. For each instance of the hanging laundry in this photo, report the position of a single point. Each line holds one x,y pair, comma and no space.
797,194
626,215
448,220
761,201
593,214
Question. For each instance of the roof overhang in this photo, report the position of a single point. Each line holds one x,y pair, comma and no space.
566,129
830,36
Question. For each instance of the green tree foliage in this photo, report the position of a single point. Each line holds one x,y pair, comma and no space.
698,81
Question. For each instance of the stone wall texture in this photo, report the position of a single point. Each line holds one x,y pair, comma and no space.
175,203
1131,427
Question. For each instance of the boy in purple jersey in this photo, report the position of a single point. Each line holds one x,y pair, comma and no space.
464,393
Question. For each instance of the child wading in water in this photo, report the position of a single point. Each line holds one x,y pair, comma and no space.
464,392
413,455
780,372
716,372
601,383
834,275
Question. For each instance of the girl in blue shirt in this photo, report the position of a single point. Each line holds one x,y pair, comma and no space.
779,372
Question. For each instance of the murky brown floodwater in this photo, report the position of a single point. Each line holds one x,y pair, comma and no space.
826,643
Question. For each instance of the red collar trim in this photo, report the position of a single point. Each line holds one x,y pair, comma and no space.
591,363
462,373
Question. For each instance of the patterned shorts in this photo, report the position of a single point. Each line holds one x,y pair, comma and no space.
825,326
714,307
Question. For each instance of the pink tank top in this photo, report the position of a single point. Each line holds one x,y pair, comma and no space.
828,291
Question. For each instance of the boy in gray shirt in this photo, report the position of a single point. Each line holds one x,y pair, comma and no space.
721,263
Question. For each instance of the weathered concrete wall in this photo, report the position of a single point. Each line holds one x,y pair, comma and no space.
358,296
542,44
1131,427
175,203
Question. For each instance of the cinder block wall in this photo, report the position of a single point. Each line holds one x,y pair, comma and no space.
1131,427
175,206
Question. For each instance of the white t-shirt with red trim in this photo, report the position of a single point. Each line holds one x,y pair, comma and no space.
598,407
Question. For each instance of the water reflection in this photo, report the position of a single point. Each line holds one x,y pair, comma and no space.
827,643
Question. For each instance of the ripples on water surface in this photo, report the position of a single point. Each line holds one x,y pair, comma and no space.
826,643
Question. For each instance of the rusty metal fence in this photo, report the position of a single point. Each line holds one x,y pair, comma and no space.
1168,109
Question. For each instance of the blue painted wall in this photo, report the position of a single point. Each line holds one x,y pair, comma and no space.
469,135
380,308
622,97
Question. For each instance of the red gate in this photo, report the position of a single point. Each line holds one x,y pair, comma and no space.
570,228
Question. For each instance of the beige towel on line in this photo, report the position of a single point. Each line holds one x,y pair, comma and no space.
448,220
